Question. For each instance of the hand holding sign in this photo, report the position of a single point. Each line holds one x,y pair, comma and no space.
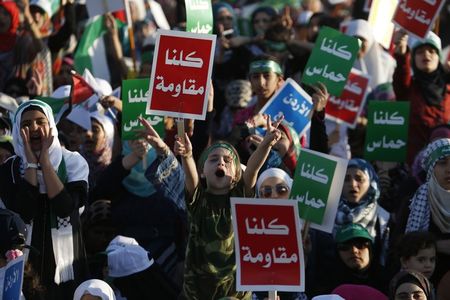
320,97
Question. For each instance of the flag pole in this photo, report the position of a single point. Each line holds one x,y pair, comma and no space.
131,34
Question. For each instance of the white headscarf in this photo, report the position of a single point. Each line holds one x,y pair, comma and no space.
94,287
273,172
376,62
108,127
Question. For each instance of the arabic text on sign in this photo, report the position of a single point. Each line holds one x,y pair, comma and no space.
312,202
135,97
331,48
296,105
344,104
323,72
135,123
180,88
259,227
383,118
311,173
187,61
270,257
385,144
418,15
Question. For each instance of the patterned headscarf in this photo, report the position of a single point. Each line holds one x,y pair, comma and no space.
420,210
365,212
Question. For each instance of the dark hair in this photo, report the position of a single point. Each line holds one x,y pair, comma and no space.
412,242
266,57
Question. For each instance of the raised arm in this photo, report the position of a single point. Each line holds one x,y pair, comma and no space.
184,149
259,156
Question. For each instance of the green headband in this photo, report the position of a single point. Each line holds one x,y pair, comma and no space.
275,46
227,146
264,66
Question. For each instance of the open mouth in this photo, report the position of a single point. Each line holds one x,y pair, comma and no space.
220,173
35,139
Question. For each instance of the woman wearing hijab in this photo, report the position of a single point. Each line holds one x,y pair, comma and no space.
47,184
96,289
98,145
372,59
358,205
407,284
428,90
147,199
429,209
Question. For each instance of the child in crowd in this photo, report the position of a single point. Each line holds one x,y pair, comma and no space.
210,267
417,252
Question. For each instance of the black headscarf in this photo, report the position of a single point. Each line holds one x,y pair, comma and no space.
410,277
433,85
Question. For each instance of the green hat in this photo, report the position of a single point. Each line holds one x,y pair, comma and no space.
430,39
350,232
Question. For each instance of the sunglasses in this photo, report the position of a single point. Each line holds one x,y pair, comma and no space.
360,245
256,21
280,189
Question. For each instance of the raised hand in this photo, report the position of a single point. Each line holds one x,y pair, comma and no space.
183,147
401,42
25,133
153,138
320,96
46,142
273,134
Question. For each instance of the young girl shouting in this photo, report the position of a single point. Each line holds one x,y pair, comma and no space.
210,267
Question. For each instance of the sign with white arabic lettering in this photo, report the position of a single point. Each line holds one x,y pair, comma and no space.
387,131
11,287
268,245
199,16
331,60
417,17
349,105
293,103
134,100
317,187
181,72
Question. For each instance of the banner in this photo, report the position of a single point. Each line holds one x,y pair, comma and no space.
268,245
199,16
134,101
348,106
416,16
11,286
181,72
387,131
380,20
331,60
292,102
317,187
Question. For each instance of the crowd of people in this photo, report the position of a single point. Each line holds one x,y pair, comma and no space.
98,217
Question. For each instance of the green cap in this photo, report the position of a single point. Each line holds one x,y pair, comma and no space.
350,232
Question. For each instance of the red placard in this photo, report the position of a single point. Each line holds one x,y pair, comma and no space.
417,16
348,106
182,66
268,245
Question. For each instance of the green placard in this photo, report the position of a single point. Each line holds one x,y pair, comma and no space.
199,16
387,131
134,101
331,60
312,184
